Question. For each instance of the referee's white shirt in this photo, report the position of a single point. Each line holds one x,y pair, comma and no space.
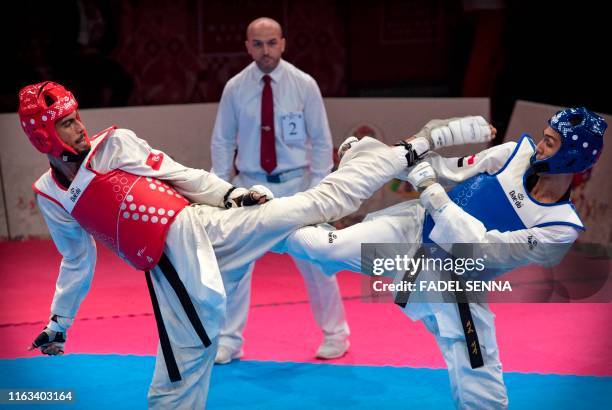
238,124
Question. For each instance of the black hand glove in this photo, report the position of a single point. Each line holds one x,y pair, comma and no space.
237,197
52,339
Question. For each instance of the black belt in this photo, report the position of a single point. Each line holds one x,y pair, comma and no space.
469,330
465,314
181,292
402,296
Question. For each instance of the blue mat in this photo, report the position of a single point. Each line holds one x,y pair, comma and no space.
121,382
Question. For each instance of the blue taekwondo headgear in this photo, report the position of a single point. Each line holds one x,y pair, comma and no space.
581,133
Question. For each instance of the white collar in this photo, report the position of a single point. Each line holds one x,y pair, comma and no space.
276,74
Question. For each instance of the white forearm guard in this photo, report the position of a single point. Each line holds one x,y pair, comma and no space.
456,131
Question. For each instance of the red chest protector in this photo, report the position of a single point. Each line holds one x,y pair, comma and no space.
128,213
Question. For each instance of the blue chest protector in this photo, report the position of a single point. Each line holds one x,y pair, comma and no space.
501,201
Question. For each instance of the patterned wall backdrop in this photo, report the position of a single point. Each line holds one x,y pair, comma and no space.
316,42
141,52
137,52
185,51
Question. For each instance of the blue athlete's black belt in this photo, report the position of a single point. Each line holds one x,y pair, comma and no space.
465,314
181,292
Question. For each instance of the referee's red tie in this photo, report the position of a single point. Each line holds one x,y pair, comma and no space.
268,149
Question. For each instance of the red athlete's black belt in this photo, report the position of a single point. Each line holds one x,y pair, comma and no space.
181,292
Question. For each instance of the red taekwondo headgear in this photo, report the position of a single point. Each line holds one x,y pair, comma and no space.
40,107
